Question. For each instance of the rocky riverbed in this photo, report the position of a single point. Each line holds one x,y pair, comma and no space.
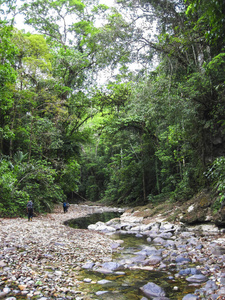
42,259
195,254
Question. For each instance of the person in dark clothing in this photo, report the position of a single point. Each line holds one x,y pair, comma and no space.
64,206
30,210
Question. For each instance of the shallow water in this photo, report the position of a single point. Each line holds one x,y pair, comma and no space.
82,223
127,286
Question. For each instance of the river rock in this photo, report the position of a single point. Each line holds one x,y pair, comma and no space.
2,294
99,293
161,298
152,290
104,281
218,250
188,271
104,271
182,259
88,265
152,260
198,278
112,266
159,240
100,226
221,291
87,280
190,297
165,235
153,234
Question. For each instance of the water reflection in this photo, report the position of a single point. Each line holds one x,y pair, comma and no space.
84,222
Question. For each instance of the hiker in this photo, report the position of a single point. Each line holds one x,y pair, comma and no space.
65,207
30,210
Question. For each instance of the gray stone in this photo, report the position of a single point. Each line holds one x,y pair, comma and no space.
218,251
2,264
112,266
190,297
221,291
87,280
188,271
197,278
165,235
152,290
104,281
152,260
2,294
139,259
161,298
99,293
159,240
88,265
115,246
210,285
182,259
104,271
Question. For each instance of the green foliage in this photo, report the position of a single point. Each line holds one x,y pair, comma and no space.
69,178
210,16
216,175
143,137
22,181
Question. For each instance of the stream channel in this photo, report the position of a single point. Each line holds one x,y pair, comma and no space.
126,284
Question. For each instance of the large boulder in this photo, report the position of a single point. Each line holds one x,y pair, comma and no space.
198,209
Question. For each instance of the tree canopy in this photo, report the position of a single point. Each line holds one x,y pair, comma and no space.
123,105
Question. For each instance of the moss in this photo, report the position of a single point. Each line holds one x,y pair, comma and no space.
204,201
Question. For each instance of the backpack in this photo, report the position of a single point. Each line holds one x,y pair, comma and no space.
30,205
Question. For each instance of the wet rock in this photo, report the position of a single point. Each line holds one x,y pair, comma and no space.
152,290
99,293
199,278
87,280
104,281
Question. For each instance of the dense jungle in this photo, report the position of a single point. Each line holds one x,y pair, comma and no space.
121,104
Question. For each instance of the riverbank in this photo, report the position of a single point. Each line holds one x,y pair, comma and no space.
41,259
